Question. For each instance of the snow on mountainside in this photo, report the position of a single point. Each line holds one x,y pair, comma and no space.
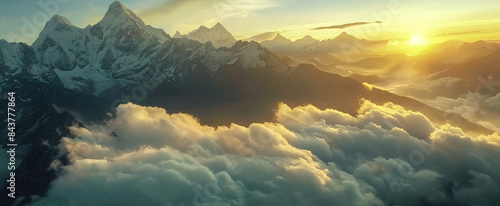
253,55
85,59
61,45
15,58
121,50
218,35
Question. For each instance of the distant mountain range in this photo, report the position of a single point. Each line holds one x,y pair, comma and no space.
330,51
217,35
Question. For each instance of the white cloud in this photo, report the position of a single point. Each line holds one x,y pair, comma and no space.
459,96
493,103
477,108
429,89
384,156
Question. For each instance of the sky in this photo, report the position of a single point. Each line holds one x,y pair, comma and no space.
429,20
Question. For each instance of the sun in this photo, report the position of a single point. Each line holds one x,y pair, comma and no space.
417,39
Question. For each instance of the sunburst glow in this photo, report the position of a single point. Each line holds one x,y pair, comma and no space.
417,39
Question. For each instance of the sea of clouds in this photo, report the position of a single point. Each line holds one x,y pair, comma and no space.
386,155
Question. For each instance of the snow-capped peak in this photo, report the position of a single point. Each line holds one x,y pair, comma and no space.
119,20
280,37
344,36
203,27
177,35
218,26
119,14
57,24
278,41
308,37
56,19
217,35
305,41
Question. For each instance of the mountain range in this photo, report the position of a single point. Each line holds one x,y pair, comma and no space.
120,49
337,50
217,35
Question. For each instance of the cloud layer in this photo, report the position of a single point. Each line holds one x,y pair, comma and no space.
384,156
474,100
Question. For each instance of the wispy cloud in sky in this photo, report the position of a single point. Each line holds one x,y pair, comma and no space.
188,15
240,8
343,26
221,8
457,33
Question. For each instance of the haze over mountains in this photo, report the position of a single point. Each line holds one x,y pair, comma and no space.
71,81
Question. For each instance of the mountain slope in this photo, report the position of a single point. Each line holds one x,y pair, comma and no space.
475,68
249,96
15,58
